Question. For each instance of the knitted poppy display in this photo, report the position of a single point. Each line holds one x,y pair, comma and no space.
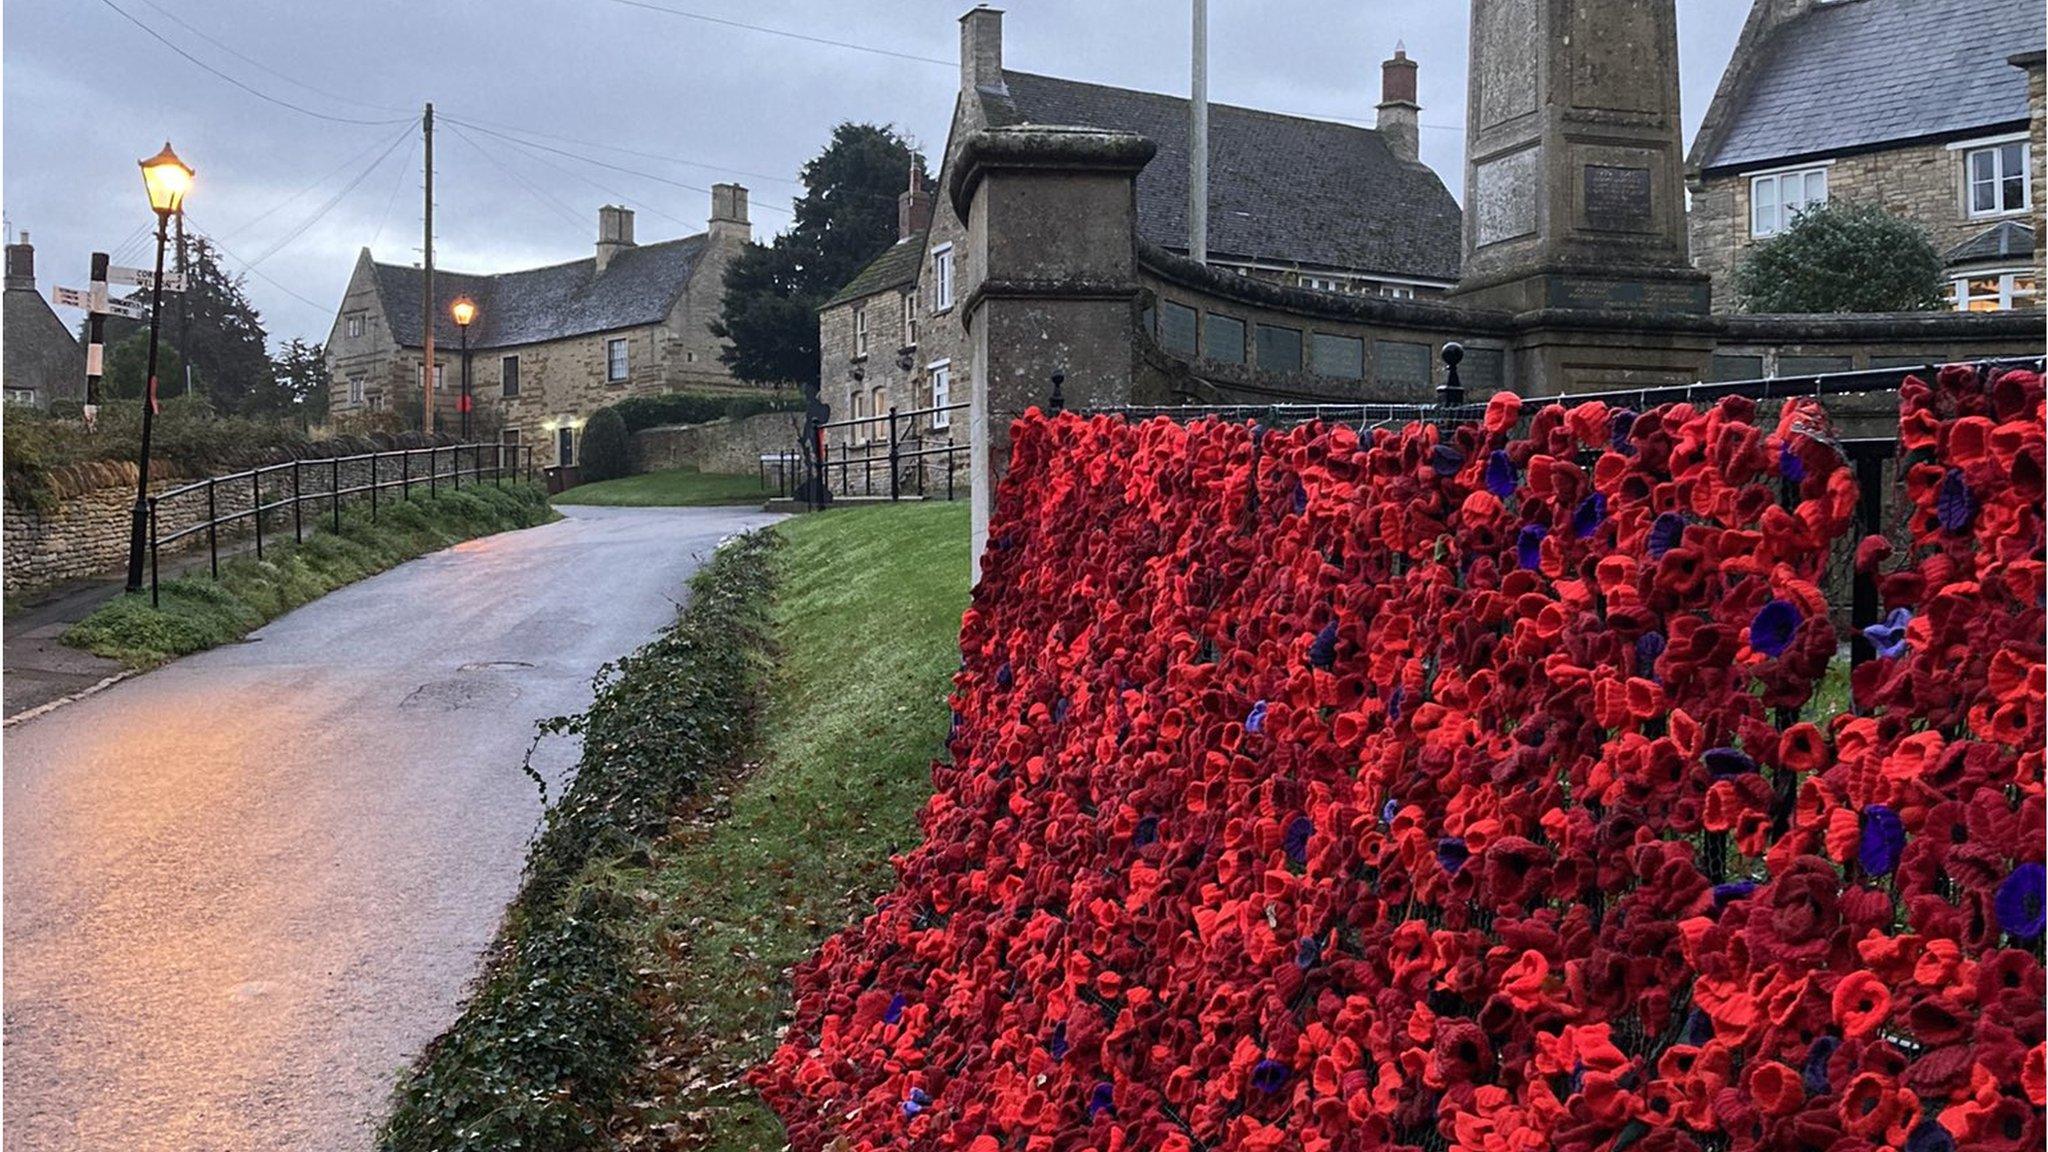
1432,788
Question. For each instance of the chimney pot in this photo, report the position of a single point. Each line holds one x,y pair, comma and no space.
1398,112
981,48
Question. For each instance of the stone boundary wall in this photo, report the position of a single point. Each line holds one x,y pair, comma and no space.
86,534
729,447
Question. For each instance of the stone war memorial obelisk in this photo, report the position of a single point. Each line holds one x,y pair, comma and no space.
1575,193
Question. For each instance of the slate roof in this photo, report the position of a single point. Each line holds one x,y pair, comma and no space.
1856,73
638,287
896,267
2005,240
39,351
1282,189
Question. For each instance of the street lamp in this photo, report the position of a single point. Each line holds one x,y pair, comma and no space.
168,179
464,312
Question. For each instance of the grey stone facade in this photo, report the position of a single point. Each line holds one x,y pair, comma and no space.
542,354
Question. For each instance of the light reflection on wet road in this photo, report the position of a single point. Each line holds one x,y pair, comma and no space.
242,891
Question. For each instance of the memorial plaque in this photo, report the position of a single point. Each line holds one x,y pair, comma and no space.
1400,362
1628,295
1504,196
1617,198
1506,76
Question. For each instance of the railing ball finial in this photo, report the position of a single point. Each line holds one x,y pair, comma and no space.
1058,402
1451,393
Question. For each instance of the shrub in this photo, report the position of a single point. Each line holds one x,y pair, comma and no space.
1843,257
605,447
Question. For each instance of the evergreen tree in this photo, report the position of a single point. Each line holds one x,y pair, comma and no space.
605,447
127,368
1843,257
845,218
299,377
219,333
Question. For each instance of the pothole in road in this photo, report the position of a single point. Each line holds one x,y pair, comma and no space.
493,665
456,694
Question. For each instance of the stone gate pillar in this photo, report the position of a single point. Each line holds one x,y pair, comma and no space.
1049,276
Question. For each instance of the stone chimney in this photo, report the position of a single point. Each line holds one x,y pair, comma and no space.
729,213
614,233
981,48
1398,109
21,265
913,205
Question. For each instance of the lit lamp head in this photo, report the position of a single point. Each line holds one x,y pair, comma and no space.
168,179
464,312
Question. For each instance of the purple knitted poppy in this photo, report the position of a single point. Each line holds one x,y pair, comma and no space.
1772,630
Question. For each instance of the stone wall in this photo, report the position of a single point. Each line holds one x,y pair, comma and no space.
728,447
86,533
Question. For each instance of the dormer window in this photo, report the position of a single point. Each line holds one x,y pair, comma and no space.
1777,198
1996,179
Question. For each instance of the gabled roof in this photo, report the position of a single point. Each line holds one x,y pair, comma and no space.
40,352
2007,240
1854,74
639,286
896,267
1282,189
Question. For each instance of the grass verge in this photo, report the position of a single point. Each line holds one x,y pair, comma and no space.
744,781
555,1022
676,486
867,624
197,612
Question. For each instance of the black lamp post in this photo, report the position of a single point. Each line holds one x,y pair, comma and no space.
464,312
168,179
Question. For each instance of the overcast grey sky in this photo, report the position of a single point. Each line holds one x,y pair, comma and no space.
682,102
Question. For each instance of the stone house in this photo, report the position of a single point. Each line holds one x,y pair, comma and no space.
549,345
1308,205
40,359
1931,109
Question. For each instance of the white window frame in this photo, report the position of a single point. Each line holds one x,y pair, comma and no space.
910,319
21,396
942,278
856,428
620,368
2008,298
880,423
941,373
1995,146
860,331
1777,178
353,324
355,390
422,378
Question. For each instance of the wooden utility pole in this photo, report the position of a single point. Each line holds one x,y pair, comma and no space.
427,298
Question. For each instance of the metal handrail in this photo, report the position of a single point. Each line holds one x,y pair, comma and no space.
911,414
513,459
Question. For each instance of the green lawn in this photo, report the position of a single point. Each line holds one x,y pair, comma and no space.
197,612
678,486
867,620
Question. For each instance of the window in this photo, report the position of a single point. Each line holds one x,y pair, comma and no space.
509,373
421,378
1777,198
21,396
1279,348
1342,357
614,360
1997,178
942,277
1223,338
1176,327
1397,291
1997,291
860,331
856,429
1325,283
884,424
942,391
355,389
565,447
910,319
354,324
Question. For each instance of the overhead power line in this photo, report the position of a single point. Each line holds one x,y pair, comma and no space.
247,268
326,180
654,176
341,194
253,62
391,200
521,178
250,89
786,33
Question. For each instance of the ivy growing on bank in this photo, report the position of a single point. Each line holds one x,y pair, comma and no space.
539,1053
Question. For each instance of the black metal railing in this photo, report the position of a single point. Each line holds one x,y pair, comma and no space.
888,454
325,483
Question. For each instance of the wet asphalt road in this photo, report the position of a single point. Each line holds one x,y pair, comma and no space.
243,890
